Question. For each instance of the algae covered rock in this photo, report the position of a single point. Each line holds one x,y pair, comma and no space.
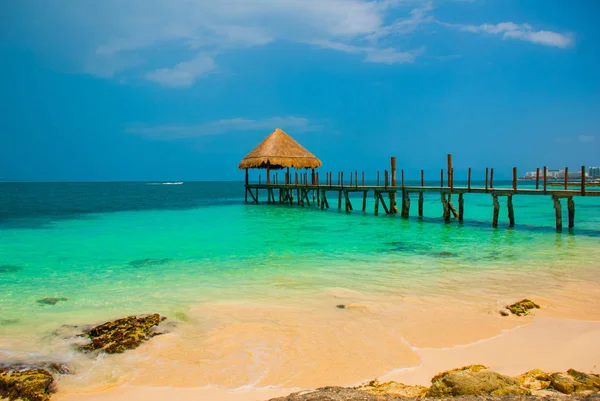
28,385
473,380
522,307
535,379
123,334
585,381
335,394
392,388
563,382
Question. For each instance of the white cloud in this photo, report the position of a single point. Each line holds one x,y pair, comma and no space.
185,73
372,54
175,132
587,138
510,30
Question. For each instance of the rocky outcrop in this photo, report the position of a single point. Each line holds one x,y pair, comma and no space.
28,385
535,379
121,335
473,380
522,307
574,381
392,388
335,394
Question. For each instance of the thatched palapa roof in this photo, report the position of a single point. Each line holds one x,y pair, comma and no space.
279,150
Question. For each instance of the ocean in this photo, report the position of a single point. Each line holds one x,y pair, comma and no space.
199,255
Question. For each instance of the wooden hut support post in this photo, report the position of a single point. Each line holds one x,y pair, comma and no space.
461,207
496,211
393,195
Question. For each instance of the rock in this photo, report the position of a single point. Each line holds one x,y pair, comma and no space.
504,312
10,269
335,394
8,322
28,385
149,262
51,301
563,382
121,335
392,388
585,381
341,306
535,379
472,380
522,307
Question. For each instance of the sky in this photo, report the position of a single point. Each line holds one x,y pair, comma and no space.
183,89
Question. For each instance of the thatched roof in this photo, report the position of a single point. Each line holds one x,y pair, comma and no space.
279,150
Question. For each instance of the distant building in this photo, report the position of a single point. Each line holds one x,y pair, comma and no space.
594,172
554,173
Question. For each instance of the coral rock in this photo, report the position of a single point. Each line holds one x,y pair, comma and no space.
472,380
392,388
523,307
28,385
123,334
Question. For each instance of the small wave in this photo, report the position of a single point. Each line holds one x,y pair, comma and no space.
166,183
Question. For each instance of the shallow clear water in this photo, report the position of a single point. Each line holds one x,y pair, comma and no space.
114,249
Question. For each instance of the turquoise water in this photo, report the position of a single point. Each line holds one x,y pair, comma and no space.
123,248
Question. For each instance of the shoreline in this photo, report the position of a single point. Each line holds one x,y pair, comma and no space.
572,344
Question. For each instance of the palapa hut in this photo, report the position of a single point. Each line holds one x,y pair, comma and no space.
277,151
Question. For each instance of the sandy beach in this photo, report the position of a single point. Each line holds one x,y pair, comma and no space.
545,343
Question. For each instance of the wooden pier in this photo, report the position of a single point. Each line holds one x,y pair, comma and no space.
305,189
279,151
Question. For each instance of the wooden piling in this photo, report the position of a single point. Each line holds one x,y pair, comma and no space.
537,178
340,199
582,180
421,204
351,174
545,178
514,179
451,206
492,178
442,178
461,207
364,202
356,179
342,179
392,196
486,178
496,211
246,192
385,174
268,173
348,203
405,204
511,211
446,209
376,208
450,178
571,210
469,180
422,178
363,179
566,178
558,213
296,178
377,177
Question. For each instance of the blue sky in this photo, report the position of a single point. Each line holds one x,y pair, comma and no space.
182,90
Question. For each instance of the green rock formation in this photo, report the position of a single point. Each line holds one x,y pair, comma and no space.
473,380
121,335
392,388
28,385
51,301
522,308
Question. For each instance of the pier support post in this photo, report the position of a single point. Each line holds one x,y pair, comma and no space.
393,195
405,204
571,209
558,213
340,199
421,200
376,209
511,211
349,207
461,207
451,206
364,204
446,213
496,211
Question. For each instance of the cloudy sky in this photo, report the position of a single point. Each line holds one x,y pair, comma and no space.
183,89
